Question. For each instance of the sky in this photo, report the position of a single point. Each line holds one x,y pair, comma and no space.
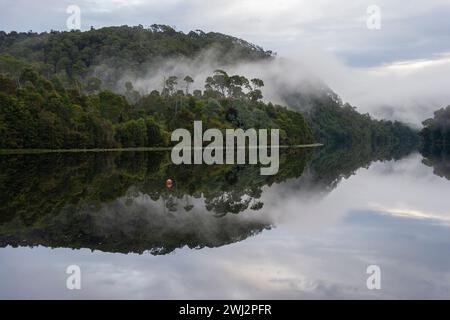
412,30
403,63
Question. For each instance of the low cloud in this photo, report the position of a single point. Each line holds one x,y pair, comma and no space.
409,91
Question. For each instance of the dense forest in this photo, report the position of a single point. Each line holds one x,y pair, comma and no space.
38,113
71,56
336,123
52,97
436,133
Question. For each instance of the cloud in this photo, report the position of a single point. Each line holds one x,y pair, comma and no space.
412,30
409,91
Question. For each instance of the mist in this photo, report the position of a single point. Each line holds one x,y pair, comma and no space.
408,91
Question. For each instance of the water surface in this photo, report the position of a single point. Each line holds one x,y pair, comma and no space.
225,231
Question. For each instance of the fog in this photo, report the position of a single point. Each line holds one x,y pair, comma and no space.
409,91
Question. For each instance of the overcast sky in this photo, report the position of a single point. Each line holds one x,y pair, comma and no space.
417,29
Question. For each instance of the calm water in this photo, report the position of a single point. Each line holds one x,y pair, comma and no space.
222,231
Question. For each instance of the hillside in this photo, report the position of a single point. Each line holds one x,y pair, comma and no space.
336,123
436,132
55,75
38,113
71,55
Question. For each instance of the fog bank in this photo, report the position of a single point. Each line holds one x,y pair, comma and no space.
408,91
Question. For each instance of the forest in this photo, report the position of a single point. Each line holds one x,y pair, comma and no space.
436,132
36,113
51,98
71,56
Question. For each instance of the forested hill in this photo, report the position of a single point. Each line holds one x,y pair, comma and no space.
38,113
71,54
436,133
336,123
51,81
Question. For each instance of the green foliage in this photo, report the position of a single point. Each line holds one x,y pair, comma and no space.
337,124
113,107
93,85
212,108
439,161
93,60
220,84
132,133
74,55
37,113
188,80
12,66
436,133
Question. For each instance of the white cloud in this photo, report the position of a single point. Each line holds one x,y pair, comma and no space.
414,29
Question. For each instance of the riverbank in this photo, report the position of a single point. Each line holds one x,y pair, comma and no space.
141,149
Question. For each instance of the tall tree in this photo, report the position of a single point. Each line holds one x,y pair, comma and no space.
188,80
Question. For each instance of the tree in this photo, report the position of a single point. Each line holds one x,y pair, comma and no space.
129,86
130,94
7,85
258,83
220,81
436,132
93,85
28,74
132,133
255,95
236,86
197,94
154,135
171,84
113,107
188,81
212,108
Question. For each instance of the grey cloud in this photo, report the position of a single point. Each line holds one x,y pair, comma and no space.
412,30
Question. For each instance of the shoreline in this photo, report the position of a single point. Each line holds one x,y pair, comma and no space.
140,149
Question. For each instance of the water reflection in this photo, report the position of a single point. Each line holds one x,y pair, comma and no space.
119,202
331,213
439,162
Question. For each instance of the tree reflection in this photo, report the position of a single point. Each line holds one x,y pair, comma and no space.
119,202
439,161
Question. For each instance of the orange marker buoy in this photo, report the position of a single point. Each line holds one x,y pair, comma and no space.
169,183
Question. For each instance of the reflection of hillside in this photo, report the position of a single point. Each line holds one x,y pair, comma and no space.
331,164
118,202
440,163
134,223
